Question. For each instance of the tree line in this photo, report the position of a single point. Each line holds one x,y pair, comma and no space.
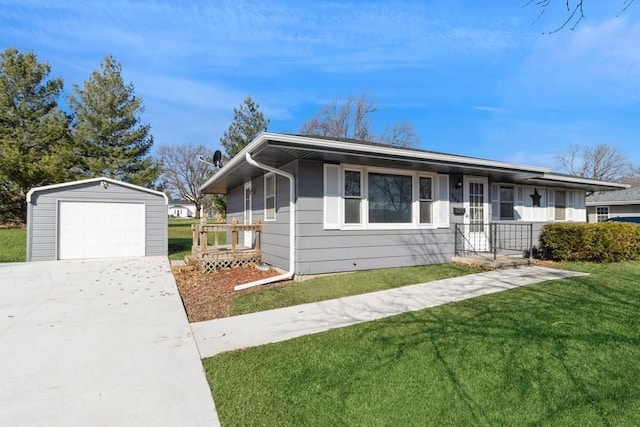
102,135
41,144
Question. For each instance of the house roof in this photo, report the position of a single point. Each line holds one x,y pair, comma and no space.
91,180
277,150
628,196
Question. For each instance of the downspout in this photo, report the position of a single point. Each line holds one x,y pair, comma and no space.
292,227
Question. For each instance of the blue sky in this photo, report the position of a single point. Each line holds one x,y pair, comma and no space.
477,78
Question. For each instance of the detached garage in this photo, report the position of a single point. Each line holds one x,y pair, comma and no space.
95,218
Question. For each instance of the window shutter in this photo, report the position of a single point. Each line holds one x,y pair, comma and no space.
442,206
520,213
551,204
569,206
495,202
331,197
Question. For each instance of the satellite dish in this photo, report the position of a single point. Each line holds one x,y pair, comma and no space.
217,158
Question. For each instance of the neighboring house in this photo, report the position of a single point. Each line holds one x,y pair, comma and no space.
181,209
329,205
611,204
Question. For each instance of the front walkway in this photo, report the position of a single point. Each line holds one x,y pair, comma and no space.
232,333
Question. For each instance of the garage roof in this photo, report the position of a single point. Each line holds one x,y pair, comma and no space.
90,180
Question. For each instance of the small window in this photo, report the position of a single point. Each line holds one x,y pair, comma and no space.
561,205
270,197
352,196
426,200
390,198
506,202
602,213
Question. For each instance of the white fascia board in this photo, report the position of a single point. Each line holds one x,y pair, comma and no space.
90,180
238,158
587,181
365,149
393,151
613,203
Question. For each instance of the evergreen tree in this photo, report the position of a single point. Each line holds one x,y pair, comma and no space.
107,128
248,122
35,144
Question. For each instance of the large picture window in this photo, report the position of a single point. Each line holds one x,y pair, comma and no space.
390,198
361,197
506,202
352,196
270,197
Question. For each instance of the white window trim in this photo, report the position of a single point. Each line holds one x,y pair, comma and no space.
566,204
513,202
417,199
602,207
364,213
267,175
415,203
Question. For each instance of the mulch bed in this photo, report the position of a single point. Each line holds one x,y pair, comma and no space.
209,296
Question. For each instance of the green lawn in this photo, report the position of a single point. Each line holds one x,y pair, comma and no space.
13,244
341,285
181,238
558,353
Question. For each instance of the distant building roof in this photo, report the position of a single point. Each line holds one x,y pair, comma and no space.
628,196
180,202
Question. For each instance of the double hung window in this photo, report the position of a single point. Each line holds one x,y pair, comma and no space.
270,197
602,213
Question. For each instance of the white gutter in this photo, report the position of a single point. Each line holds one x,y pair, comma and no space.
292,227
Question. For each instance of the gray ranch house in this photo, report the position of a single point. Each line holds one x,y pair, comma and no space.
328,205
602,206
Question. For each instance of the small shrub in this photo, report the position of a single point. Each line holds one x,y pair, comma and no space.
602,242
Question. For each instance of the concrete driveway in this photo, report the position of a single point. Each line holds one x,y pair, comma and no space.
98,342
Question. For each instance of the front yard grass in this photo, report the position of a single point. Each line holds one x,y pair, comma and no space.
13,244
558,353
341,285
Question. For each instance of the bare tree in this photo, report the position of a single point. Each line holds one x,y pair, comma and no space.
184,173
350,119
575,12
602,162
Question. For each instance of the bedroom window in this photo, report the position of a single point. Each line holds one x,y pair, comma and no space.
506,202
270,197
426,200
561,205
602,213
390,198
352,196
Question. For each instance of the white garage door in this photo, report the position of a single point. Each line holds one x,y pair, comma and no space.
100,229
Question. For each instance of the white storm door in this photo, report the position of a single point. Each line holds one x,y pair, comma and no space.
100,230
477,213
248,215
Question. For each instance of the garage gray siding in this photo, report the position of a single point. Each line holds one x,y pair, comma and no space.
42,215
327,251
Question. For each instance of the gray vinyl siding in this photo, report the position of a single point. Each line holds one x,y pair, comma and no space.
327,251
42,212
274,239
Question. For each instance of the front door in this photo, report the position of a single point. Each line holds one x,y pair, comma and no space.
477,213
247,235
